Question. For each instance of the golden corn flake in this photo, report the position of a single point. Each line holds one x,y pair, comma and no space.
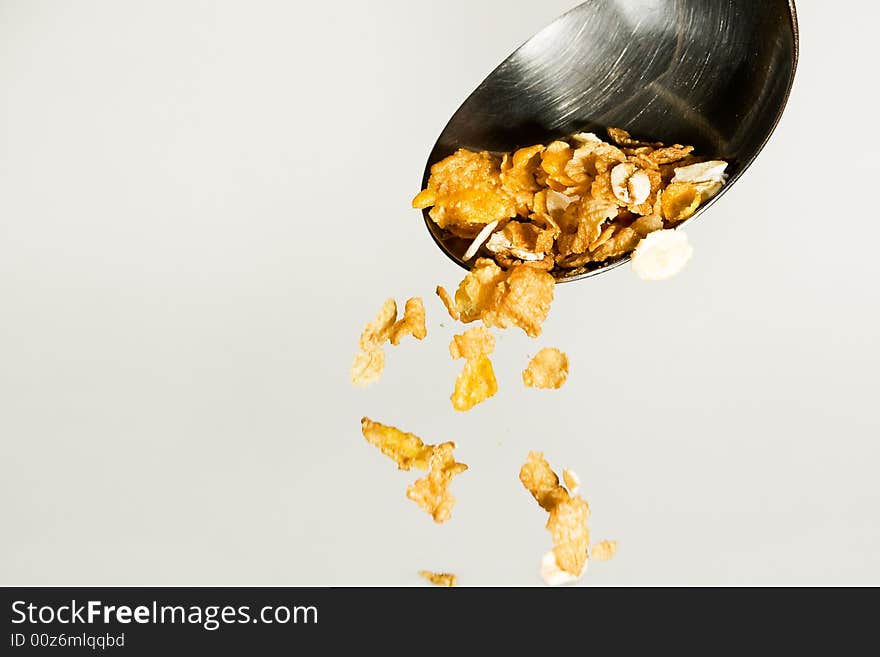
670,154
465,190
647,225
406,449
475,384
377,332
540,480
603,551
412,323
568,514
680,201
562,206
479,290
571,536
367,367
448,302
439,579
547,370
518,177
431,492
473,343
522,300
622,241
592,215
518,297
369,363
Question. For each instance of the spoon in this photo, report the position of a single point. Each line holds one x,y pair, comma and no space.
715,74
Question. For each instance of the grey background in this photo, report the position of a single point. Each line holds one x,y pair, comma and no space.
201,204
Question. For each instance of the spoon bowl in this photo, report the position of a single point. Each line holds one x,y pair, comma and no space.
715,74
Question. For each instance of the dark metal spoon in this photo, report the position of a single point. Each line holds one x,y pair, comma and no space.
715,74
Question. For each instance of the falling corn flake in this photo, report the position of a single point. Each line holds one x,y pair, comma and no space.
475,384
377,332
448,302
502,299
603,551
369,363
367,367
439,579
431,492
661,255
412,323
568,514
406,449
547,370
521,299
473,343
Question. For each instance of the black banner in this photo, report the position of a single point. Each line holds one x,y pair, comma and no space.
270,621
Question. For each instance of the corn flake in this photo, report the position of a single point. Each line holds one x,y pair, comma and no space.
377,332
475,384
431,492
448,302
439,579
406,449
547,370
603,551
412,323
519,297
622,240
367,367
591,216
466,192
473,343
680,201
479,290
522,300
568,515
518,177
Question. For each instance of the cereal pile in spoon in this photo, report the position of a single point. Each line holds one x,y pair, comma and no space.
531,217
569,205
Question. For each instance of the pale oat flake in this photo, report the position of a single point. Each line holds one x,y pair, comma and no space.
661,255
